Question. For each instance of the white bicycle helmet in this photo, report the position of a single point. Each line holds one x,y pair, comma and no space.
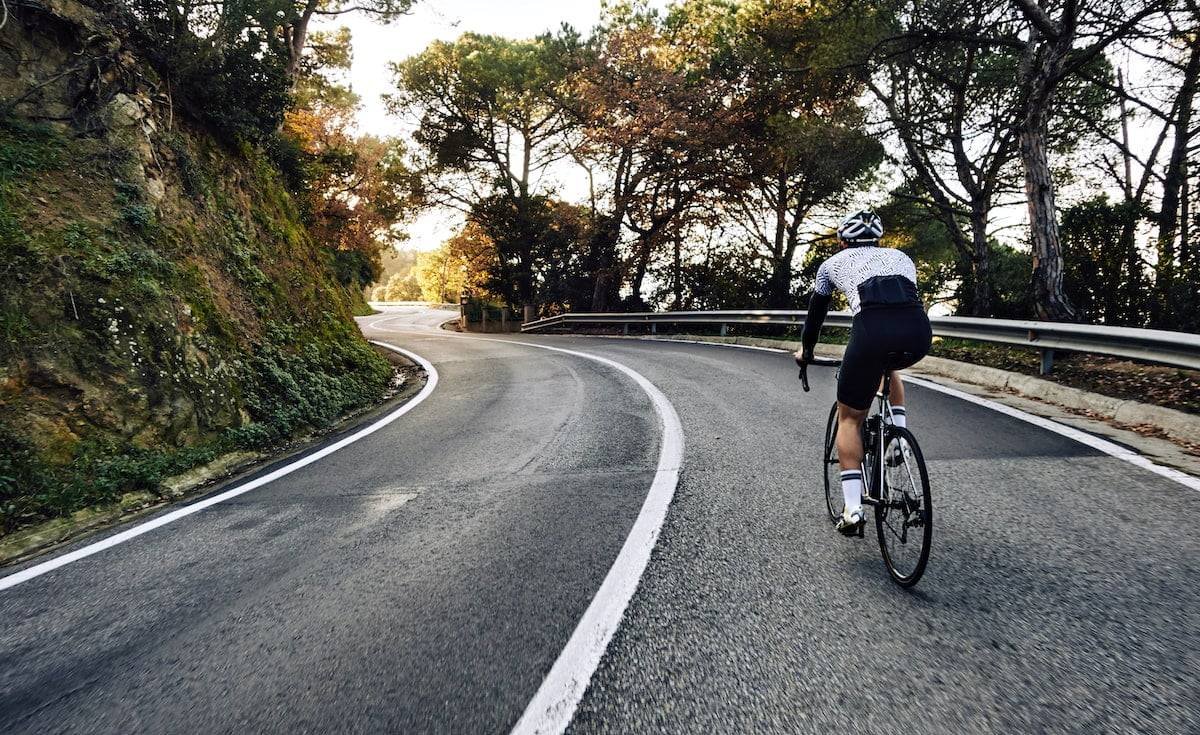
861,228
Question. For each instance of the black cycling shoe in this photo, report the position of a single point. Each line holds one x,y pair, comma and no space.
852,523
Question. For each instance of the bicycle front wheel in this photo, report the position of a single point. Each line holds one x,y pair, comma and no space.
833,474
904,516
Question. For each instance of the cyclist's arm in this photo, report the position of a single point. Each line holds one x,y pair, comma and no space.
818,307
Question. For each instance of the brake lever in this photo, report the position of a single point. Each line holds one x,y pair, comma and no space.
804,376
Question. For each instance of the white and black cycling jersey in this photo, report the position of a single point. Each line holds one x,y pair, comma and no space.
850,268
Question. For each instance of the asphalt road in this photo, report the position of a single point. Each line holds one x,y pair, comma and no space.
425,578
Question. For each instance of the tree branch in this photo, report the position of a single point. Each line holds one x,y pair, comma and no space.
1037,16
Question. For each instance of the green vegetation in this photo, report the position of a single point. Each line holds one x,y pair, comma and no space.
142,337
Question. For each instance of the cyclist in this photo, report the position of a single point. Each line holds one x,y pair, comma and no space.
880,285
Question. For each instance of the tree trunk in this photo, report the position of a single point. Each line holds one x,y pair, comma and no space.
1173,178
299,37
527,235
1049,299
779,286
677,273
645,246
1130,290
604,263
606,237
1041,70
1186,252
981,261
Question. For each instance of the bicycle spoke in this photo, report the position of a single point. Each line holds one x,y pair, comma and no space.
908,470
891,528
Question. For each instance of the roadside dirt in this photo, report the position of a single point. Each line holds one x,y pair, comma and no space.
1162,386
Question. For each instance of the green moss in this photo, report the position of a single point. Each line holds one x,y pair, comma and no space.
180,318
26,148
24,151
195,179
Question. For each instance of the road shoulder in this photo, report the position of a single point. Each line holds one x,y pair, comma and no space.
197,483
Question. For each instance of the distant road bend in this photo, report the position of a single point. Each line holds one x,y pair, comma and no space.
428,576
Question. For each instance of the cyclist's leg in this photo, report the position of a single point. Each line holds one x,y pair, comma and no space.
896,398
850,453
861,370
849,436
896,393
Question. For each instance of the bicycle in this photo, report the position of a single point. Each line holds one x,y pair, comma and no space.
895,483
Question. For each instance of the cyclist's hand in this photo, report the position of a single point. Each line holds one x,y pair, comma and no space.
803,357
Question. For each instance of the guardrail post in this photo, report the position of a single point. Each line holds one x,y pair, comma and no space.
653,328
1047,356
625,329
724,330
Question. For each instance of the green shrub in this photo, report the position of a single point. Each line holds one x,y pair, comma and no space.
286,391
192,175
137,216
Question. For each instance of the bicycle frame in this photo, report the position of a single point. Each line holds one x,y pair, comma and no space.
873,487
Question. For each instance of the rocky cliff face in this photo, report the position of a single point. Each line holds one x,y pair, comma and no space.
160,298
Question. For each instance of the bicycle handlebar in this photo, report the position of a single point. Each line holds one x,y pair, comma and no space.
822,361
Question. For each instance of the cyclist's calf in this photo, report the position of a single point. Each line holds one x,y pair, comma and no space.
896,389
849,436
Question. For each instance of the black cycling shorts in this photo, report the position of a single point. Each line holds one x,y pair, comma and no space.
877,332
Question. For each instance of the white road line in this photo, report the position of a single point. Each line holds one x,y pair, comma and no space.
553,705
386,317
38,570
375,324
1095,442
1103,445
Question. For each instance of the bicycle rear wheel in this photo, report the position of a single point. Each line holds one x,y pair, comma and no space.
904,517
833,474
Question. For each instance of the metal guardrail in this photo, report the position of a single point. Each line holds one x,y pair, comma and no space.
1180,349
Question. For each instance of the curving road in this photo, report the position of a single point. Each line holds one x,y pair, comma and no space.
426,577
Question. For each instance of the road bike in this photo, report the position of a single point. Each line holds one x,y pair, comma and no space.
895,482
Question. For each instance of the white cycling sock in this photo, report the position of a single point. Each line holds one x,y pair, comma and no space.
899,416
852,486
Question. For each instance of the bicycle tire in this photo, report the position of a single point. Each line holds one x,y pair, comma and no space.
887,532
832,469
